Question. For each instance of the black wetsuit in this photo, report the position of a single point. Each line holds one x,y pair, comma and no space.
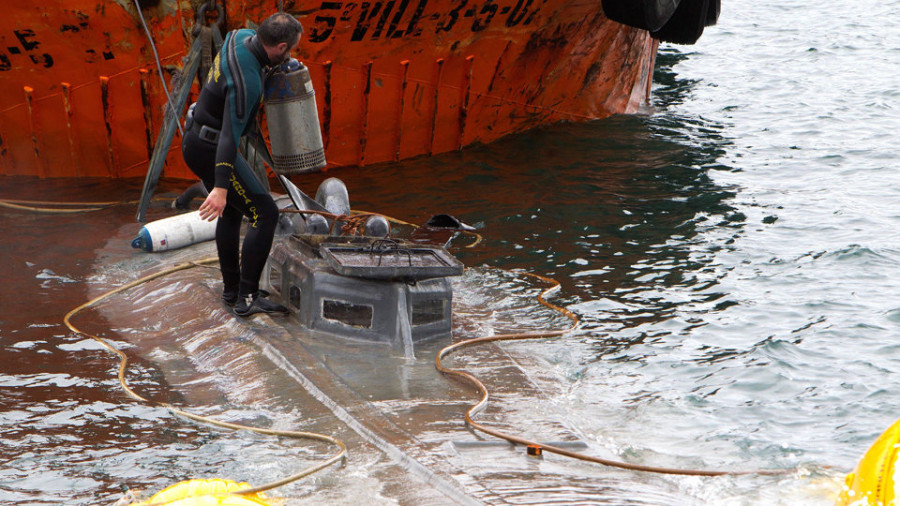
228,104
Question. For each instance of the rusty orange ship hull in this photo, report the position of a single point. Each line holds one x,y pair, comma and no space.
80,94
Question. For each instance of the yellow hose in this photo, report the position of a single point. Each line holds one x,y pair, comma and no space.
485,396
12,205
123,361
464,375
38,206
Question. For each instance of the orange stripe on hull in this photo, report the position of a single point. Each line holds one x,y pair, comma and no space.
394,79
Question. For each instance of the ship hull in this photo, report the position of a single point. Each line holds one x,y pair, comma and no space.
81,94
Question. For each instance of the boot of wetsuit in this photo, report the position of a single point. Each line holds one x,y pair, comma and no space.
230,297
257,303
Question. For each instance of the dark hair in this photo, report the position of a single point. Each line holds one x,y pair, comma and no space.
278,28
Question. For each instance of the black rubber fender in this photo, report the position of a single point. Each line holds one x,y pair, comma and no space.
649,15
687,23
712,14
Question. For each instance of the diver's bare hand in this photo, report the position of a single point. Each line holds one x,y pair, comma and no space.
212,207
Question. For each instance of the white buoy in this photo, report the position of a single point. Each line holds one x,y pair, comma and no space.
174,232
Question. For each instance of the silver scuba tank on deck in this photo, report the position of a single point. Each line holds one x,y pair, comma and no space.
293,120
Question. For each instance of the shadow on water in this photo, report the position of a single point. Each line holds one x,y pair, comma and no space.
655,252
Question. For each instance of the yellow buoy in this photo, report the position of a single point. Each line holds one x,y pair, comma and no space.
872,482
213,492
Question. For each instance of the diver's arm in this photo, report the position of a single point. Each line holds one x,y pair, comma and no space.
226,151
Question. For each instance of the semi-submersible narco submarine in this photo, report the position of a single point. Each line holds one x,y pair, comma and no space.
370,286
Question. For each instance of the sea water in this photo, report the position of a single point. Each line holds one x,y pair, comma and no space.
732,253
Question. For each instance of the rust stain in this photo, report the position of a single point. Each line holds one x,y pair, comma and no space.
70,131
326,111
363,136
32,123
465,90
434,112
498,66
107,120
404,83
145,101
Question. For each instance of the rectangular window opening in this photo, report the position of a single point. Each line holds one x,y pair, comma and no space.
427,311
353,315
294,296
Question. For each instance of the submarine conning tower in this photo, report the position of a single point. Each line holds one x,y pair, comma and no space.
371,287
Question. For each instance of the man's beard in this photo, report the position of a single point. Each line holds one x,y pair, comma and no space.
278,60
283,57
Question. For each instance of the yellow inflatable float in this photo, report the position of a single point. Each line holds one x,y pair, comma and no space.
872,482
214,492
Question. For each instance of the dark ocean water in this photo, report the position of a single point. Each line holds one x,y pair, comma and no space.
733,253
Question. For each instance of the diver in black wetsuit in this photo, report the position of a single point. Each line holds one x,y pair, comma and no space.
225,110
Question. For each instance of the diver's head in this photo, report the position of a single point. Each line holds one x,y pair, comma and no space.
280,34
